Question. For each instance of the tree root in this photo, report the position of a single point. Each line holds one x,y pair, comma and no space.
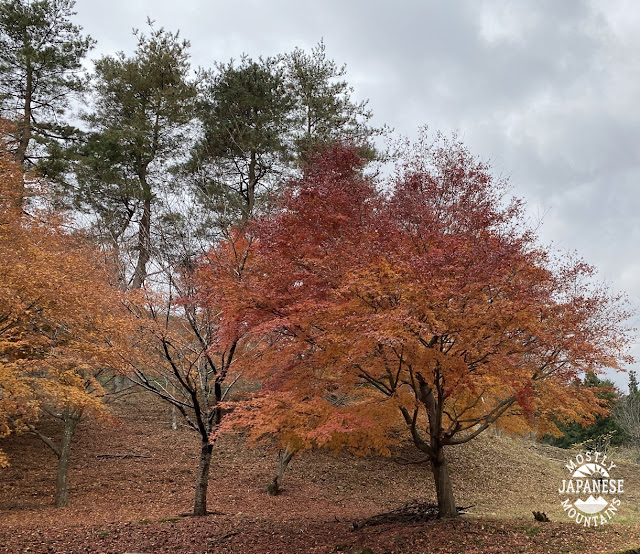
411,512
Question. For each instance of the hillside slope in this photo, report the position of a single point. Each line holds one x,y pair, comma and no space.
131,481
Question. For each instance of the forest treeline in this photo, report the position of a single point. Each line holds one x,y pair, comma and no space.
183,229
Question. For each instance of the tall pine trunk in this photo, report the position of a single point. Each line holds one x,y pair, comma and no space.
144,237
202,483
444,489
62,490
250,199
25,126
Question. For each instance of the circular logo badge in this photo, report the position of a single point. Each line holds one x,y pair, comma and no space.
590,493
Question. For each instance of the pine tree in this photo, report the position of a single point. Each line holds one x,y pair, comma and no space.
262,119
41,54
633,383
245,114
143,107
324,110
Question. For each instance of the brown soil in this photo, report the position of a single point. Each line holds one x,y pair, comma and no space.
134,503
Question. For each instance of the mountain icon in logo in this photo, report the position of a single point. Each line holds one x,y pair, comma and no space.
591,505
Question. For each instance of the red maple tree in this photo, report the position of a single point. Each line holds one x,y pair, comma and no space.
422,304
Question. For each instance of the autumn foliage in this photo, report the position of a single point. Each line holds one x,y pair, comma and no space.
62,325
423,304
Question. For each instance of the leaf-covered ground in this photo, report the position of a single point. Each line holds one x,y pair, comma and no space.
134,503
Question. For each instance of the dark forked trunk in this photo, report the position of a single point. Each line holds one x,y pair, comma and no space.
274,486
202,482
432,398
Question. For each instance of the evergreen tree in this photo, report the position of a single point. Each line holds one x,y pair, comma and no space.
627,411
633,383
262,119
603,428
143,106
41,52
245,115
324,111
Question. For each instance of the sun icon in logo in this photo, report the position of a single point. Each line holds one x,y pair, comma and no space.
593,471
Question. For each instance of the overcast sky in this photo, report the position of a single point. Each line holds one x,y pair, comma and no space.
546,90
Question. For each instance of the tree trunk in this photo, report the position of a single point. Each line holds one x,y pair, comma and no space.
174,417
25,127
144,240
444,490
200,504
251,187
62,493
273,488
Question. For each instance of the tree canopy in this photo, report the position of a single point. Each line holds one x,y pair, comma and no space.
245,118
41,53
62,324
143,105
324,111
428,307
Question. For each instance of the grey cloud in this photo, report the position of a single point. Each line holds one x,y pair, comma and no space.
547,90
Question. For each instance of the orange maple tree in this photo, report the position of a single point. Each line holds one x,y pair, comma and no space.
62,325
423,304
